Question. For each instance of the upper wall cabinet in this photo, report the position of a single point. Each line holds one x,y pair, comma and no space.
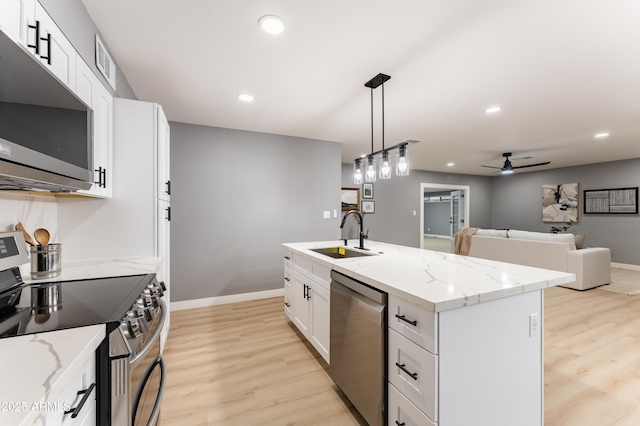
49,44
15,18
164,176
93,93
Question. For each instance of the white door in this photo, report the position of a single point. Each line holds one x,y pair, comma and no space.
457,211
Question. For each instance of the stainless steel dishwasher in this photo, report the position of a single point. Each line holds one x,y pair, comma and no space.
359,345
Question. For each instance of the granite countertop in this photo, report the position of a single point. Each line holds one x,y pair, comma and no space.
38,368
434,280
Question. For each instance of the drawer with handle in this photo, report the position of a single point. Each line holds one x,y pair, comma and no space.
414,372
415,323
402,412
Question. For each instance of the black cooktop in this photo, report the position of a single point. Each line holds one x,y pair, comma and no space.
48,306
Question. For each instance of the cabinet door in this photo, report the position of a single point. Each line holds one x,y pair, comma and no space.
93,93
15,17
163,251
163,150
319,324
300,302
55,50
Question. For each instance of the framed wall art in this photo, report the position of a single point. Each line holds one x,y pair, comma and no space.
611,201
560,202
368,207
367,190
350,199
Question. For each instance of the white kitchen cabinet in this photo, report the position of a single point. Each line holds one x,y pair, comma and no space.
310,300
91,90
15,18
485,353
139,130
78,399
163,250
288,286
163,150
52,47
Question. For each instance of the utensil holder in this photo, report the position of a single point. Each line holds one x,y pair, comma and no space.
46,261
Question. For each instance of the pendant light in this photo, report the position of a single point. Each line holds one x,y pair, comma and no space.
368,169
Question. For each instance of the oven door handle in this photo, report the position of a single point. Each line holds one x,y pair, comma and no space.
154,335
153,418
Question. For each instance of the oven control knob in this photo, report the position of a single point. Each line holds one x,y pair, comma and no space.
155,289
162,286
133,326
148,299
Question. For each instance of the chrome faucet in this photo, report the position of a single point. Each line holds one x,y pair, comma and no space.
362,235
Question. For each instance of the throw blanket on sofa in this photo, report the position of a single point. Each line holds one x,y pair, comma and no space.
462,240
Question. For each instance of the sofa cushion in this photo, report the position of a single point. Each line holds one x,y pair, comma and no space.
541,236
492,233
580,243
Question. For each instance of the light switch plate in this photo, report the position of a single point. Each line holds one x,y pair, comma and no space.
326,214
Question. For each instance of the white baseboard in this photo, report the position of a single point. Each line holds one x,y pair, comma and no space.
223,300
625,266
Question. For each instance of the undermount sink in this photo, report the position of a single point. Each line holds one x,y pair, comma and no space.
341,252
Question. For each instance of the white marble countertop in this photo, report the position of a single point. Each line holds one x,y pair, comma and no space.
79,270
39,368
434,280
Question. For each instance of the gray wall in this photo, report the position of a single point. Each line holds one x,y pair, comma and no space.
236,196
76,24
517,204
396,200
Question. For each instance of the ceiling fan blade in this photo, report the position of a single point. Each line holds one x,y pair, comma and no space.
492,167
532,165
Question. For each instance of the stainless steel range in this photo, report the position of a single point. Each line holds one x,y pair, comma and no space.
130,369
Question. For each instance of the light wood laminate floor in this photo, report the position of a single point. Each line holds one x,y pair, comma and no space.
245,364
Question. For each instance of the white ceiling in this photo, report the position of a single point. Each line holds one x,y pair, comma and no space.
561,69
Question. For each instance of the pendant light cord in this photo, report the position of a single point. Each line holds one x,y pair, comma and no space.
382,116
372,120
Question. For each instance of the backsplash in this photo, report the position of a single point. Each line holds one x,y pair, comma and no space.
34,212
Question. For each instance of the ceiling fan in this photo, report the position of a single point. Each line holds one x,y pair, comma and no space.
508,168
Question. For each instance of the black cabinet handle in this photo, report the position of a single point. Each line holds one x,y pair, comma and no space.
308,292
414,376
168,184
413,323
287,305
399,424
168,216
37,45
287,257
48,40
75,411
287,279
102,177
304,293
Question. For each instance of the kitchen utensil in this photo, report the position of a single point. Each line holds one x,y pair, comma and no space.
27,237
42,236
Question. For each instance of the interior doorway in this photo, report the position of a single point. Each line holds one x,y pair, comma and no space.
455,199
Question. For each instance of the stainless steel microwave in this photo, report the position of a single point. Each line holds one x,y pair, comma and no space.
46,135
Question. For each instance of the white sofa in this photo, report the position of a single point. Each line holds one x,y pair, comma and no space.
592,266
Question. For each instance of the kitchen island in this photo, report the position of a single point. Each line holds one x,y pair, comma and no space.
467,332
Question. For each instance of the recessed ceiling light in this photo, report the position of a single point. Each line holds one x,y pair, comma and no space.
271,24
450,164
493,109
601,135
245,97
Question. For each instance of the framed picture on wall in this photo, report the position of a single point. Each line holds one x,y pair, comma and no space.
368,207
611,201
350,199
367,190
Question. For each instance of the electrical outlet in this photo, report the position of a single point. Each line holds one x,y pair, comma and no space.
326,214
534,325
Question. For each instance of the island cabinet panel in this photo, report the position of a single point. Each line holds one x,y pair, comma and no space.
288,286
401,411
306,290
491,364
415,323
